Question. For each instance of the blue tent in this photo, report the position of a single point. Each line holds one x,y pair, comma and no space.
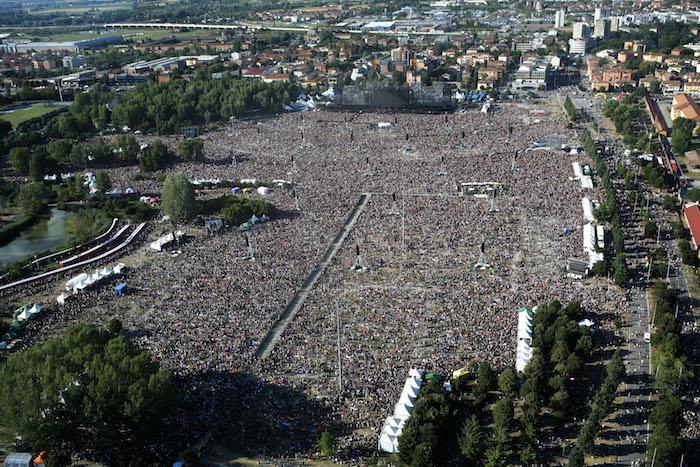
119,289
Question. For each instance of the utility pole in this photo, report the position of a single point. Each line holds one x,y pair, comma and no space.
340,360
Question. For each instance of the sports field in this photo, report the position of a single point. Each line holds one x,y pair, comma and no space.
28,112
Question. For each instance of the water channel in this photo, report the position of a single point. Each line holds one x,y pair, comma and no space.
47,234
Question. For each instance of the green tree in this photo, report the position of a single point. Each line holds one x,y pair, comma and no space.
32,198
191,149
576,457
681,135
528,455
485,381
19,158
85,389
127,148
5,128
496,456
423,456
102,182
686,252
503,413
178,198
587,435
666,443
326,444
508,382
82,225
471,440
115,326
155,157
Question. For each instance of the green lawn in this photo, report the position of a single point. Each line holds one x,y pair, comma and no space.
22,115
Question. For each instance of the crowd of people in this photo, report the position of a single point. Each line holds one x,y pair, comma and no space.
420,303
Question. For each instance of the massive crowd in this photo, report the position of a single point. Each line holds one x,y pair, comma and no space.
421,303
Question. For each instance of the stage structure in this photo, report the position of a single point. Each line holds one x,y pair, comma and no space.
482,264
360,264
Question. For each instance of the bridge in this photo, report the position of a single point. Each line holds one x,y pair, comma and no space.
210,26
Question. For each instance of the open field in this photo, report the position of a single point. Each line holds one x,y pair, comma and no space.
34,110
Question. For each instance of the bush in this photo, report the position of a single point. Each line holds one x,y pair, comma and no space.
326,444
115,326
688,256
241,209
155,157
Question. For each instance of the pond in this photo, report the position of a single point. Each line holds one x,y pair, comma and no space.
48,234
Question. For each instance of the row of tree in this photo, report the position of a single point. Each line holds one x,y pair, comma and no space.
671,374
626,115
600,408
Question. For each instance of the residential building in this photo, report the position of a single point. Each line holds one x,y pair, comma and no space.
685,106
73,61
600,13
581,31
533,73
691,219
601,28
559,19
579,46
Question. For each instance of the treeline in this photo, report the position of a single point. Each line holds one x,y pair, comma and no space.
600,408
659,36
608,211
28,93
626,115
236,210
165,108
672,372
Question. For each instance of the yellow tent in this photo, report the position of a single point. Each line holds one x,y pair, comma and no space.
459,373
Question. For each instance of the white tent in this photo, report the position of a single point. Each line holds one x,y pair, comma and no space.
586,181
586,322
61,299
589,240
165,240
587,209
263,190
24,315
35,309
600,236
578,173
71,283
523,352
393,425
525,325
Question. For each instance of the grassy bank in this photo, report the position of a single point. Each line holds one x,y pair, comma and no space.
10,231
